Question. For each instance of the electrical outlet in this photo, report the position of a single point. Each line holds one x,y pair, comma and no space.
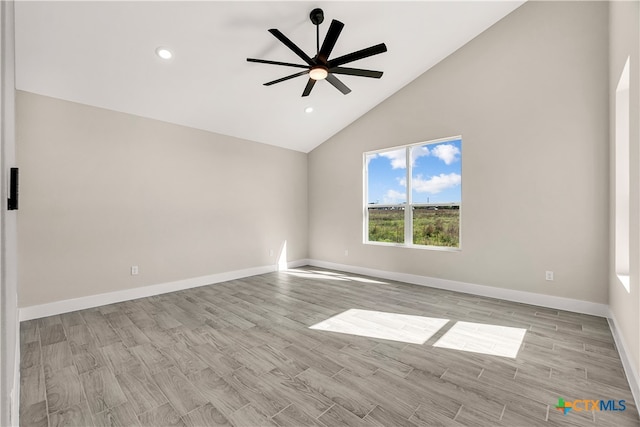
270,252
134,270
548,275
346,252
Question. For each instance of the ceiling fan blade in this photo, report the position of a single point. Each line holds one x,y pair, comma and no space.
354,56
291,46
301,73
286,64
308,87
356,72
338,84
330,40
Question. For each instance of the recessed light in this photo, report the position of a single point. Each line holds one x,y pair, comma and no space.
164,53
308,110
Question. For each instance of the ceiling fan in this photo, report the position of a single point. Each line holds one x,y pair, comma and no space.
320,67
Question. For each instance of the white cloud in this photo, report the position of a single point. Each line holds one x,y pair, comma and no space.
446,152
398,158
417,152
393,197
436,183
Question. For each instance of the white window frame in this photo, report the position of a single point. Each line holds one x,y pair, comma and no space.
408,212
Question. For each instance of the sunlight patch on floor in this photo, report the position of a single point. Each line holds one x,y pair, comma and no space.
315,274
362,279
482,338
377,324
306,275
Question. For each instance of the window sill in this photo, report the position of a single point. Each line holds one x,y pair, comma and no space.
421,247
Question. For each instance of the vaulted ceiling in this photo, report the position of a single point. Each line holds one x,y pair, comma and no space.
102,53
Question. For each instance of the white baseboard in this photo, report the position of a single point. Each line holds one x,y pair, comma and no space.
559,303
627,361
298,263
66,306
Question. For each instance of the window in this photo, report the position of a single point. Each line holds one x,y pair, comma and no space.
622,178
413,194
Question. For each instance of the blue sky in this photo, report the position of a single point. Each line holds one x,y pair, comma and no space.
436,174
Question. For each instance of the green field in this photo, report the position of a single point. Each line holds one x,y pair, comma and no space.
434,227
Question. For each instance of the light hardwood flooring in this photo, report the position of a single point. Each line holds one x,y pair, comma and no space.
242,353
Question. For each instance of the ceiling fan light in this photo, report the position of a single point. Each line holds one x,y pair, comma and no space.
318,73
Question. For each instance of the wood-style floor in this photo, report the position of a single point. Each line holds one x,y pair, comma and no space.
242,353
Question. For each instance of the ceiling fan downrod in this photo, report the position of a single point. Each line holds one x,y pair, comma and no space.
317,18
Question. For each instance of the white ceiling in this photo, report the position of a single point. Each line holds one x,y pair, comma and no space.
102,53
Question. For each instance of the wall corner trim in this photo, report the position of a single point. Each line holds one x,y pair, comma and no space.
548,301
90,301
627,361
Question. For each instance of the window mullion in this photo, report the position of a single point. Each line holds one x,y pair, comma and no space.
408,211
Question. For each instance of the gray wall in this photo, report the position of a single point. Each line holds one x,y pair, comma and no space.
624,41
102,191
529,97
